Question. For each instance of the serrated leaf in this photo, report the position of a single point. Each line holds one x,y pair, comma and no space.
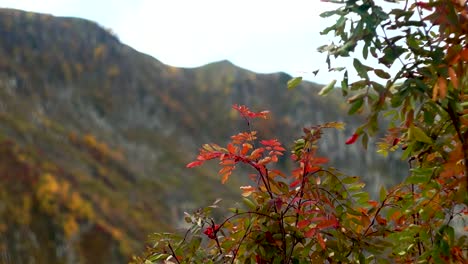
294,82
325,90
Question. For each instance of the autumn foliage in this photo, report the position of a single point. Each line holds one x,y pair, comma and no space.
316,214
312,214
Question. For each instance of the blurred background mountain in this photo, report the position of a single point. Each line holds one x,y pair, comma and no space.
94,138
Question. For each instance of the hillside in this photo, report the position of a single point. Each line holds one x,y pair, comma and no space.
94,138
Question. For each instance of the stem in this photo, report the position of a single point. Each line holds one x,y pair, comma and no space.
240,243
173,254
265,180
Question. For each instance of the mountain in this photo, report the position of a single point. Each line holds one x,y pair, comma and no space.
94,138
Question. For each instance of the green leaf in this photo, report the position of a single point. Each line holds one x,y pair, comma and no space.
418,134
356,106
325,90
361,69
294,82
249,203
365,51
391,53
382,74
195,243
346,48
344,84
349,180
420,175
382,193
328,13
365,140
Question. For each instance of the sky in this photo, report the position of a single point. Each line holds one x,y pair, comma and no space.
260,35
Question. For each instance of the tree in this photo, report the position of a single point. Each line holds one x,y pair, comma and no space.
315,214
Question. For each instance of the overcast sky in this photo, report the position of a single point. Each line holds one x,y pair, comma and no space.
259,35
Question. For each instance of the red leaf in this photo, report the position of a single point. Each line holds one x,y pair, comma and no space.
424,5
319,160
352,139
295,183
245,112
271,142
310,169
194,164
310,233
303,223
321,241
328,223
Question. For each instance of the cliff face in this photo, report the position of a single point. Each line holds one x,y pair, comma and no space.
94,138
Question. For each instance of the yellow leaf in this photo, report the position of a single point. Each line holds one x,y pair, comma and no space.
418,134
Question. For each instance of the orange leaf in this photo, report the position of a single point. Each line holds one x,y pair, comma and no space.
381,220
226,177
231,148
264,161
321,241
442,82
227,162
365,220
464,54
453,77
435,91
225,169
274,158
257,153
245,148
247,190
328,223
